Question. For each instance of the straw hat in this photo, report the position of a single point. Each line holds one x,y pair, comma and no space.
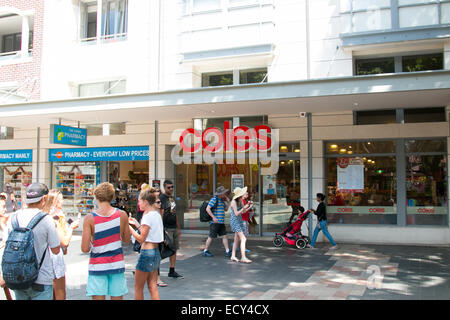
239,192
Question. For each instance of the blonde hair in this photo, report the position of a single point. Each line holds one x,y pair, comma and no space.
149,195
144,186
104,192
52,200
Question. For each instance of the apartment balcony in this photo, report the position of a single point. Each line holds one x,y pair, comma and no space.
228,32
380,23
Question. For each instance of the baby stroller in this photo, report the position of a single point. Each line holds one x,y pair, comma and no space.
292,235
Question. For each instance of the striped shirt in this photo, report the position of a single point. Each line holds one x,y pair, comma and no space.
219,211
106,253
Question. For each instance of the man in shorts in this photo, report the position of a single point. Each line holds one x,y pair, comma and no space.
216,208
169,214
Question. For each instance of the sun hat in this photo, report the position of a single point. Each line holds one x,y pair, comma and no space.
239,192
35,192
221,190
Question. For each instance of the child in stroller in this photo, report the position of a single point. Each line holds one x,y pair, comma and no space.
292,234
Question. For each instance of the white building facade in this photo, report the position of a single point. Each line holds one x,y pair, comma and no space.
358,93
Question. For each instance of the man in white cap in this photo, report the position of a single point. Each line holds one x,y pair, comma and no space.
44,236
216,208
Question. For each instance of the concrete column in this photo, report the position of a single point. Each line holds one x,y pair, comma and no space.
25,36
99,20
447,55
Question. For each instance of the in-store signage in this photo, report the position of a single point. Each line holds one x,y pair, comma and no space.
68,135
99,154
16,155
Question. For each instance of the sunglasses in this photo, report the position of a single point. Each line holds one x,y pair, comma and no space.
158,202
171,187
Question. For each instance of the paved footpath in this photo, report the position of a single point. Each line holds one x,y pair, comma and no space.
352,272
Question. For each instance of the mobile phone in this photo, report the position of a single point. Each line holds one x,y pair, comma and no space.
69,221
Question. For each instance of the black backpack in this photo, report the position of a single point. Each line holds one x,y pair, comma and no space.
204,216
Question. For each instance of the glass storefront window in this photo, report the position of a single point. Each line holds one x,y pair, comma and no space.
362,190
18,176
194,184
426,145
359,147
77,182
281,196
426,183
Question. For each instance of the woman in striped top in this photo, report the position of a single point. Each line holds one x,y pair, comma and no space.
103,233
151,235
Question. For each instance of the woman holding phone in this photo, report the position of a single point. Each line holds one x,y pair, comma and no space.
237,224
54,208
150,236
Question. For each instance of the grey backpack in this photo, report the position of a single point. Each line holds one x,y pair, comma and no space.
20,266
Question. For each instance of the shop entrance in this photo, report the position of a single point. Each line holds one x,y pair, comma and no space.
77,181
281,191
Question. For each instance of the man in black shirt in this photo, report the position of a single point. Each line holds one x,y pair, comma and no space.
169,214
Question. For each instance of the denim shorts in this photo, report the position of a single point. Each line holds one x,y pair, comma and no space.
149,260
114,285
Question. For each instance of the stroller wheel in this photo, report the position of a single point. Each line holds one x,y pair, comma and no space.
301,243
307,239
278,241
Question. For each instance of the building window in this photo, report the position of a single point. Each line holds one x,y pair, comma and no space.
423,62
102,88
114,19
415,115
234,77
13,42
214,80
6,133
375,117
374,66
411,63
105,129
424,115
361,182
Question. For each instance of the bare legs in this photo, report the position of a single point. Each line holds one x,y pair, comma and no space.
140,279
239,237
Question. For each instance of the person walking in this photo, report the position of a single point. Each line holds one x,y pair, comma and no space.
53,207
216,208
171,225
321,214
237,224
151,235
11,203
103,233
45,238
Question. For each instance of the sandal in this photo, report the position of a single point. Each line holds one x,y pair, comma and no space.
162,284
234,259
246,261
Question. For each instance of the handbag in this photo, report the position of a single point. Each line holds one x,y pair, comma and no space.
166,248
137,245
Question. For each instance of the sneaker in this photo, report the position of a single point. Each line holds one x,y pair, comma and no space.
334,247
310,246
207,253
228,254
175,275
